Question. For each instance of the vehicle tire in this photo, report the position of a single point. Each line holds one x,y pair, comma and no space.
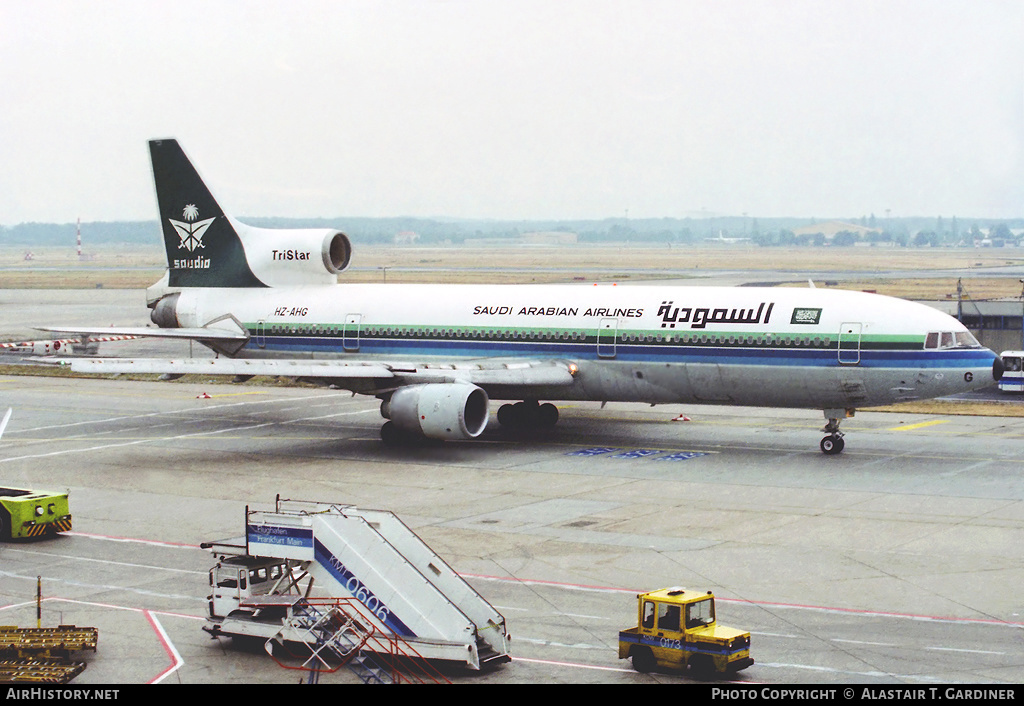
643,660
5,525
702,666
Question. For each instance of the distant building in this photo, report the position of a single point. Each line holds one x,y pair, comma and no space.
996,323
553,237
406,237
831,228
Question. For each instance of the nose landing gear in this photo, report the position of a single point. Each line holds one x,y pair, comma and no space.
833,443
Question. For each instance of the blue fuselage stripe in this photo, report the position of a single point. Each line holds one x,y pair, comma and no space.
631,352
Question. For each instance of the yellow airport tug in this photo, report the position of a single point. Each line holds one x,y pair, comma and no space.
676,629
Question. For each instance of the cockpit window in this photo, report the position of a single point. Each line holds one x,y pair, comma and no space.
964,339
951,339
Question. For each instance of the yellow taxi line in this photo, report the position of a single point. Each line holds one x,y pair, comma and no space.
919,425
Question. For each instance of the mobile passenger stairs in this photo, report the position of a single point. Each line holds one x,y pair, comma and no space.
329,585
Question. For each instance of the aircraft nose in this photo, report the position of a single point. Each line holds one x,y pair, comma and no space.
997,368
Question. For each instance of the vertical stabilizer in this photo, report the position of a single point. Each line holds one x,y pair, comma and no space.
203,247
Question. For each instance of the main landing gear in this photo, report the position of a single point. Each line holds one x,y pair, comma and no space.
833,443
528,415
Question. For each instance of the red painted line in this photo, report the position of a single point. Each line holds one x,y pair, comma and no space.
176,661
557,584
765,604
151,542
611,589
573,664
876,613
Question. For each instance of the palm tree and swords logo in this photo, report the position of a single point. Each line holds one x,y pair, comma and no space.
191,232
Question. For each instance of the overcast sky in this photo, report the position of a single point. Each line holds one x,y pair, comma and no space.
519,109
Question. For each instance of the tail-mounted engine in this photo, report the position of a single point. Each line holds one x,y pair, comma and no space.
294,257
445,411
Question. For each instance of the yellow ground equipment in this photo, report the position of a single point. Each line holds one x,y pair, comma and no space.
43,655
32,513
677,629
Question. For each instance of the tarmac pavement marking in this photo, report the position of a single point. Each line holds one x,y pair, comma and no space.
919,425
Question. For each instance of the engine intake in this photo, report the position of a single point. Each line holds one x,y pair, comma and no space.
447,411
337,252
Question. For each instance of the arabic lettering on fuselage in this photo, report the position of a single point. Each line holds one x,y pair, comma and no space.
696,317
700,317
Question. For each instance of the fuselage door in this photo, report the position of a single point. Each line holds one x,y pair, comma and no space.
606,333
350,334
261,334
849,343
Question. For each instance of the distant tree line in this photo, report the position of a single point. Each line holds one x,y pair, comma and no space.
773,232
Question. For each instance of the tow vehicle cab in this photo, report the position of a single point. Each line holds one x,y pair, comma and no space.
32,513
677,629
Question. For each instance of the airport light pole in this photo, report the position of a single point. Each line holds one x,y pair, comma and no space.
1022,313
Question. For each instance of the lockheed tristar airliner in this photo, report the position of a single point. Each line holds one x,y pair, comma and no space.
269,303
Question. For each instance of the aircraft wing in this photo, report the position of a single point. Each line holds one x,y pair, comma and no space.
230,366
364,375
205,334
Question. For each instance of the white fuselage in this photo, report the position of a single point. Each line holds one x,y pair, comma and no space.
785,347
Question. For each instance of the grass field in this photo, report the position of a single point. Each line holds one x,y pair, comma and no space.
135,267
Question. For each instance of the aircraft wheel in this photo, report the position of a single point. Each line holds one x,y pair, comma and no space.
832,444
528,415
547,415
507,415
391,435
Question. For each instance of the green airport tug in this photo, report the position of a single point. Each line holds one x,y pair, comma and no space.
32,513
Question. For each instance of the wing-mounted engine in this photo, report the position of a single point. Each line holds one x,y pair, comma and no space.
446,411
294,256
